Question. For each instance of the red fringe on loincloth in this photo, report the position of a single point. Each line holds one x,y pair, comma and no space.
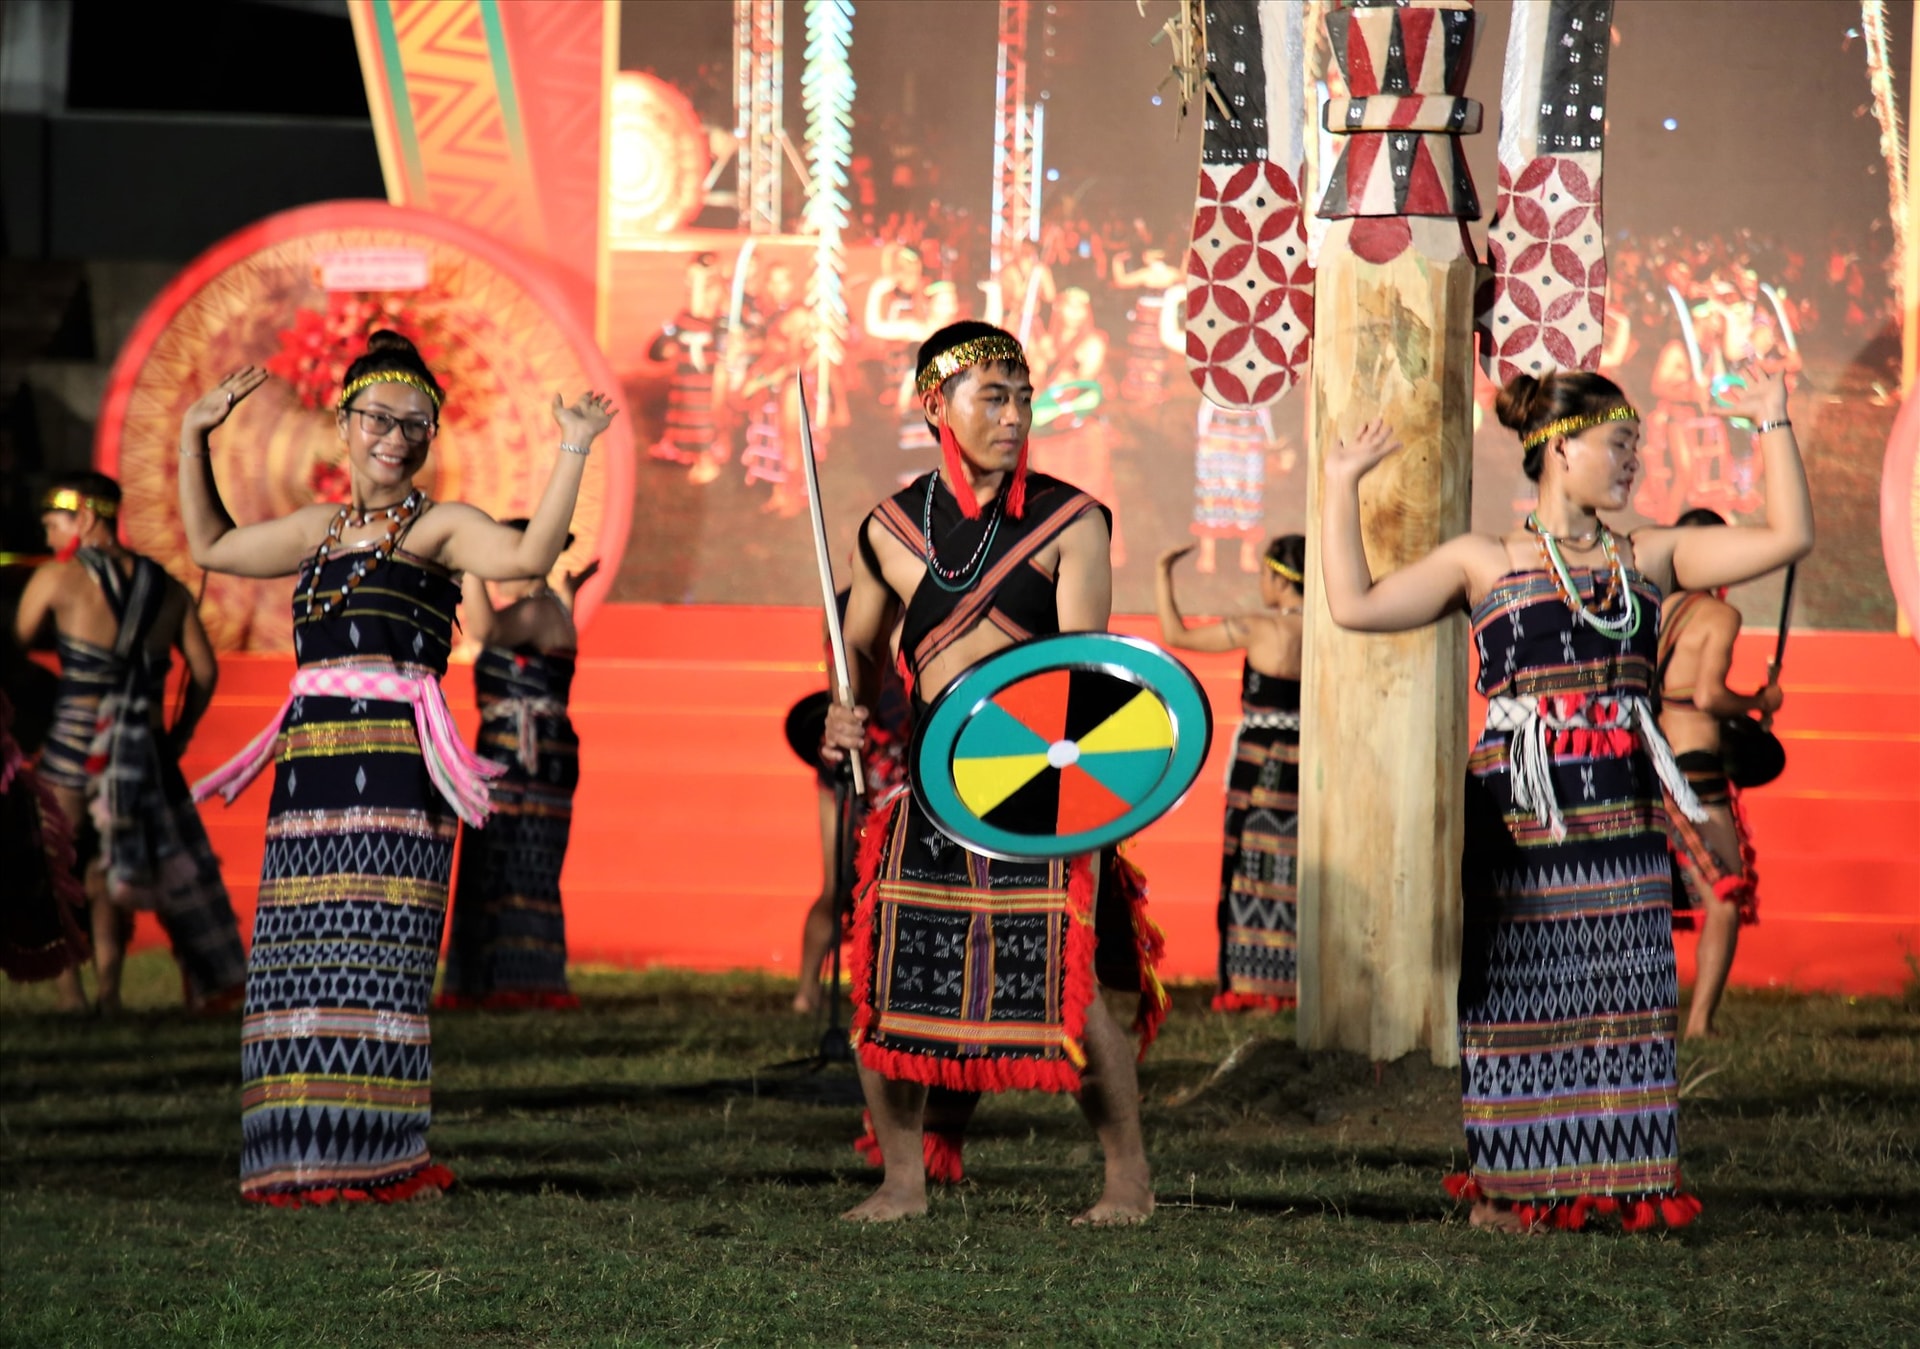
978,1074
938,1149
510,1001
1637,1213
435,1177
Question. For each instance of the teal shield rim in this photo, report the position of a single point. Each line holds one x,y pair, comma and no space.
1130,659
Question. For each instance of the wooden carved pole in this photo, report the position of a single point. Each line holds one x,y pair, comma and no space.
1383,731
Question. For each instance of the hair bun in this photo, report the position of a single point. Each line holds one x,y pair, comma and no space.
387,340
1518,402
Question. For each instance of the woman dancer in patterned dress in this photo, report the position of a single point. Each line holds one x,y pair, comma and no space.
1261,847
370,778
1568,991
509,942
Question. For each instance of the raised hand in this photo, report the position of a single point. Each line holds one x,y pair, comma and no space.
1761,396
590,414
571,581
1173,555
215,406
1355,455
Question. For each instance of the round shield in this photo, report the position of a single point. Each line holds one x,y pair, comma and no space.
1061,746
807,726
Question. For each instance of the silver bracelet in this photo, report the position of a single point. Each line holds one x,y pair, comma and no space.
1782,425
581,450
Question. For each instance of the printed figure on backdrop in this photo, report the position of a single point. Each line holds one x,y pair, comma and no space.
1156,281
370,778
1021,297
1716,881
43,915
776,339
1230,449
961,561
1569,994
1260,849
508,947
112,760
895,320
692,342
1071,438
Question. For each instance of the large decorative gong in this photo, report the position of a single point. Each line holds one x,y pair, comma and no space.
1061,745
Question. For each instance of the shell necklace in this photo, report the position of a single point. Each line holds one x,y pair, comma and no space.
1621,627
398,518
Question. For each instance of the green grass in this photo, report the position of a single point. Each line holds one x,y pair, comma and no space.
626,1179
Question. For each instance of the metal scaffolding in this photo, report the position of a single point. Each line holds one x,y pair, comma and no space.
1016,135
757,84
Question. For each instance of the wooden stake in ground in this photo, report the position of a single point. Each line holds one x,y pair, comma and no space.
1383,725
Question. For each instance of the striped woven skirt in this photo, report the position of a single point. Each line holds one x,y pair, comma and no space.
1258,873
335,1052
1229,474
1569,997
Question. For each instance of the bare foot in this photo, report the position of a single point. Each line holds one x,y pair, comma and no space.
1495,1218
1703,1033
889,1204
807,1000
1124,1204
1249,556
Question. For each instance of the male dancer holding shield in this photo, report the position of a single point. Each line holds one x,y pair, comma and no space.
969,972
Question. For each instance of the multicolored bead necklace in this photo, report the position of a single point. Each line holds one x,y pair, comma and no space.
398,518
956,580
1622,627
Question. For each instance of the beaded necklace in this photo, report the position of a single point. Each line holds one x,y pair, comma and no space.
956,580
398,518
1622,627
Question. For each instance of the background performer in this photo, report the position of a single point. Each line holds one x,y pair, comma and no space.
1568,991
112,761
370,777
1260,852
509,942
1714,859
962,557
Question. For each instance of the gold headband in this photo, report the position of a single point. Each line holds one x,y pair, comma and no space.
964,356
70,499
1572,426
406,377
1282,570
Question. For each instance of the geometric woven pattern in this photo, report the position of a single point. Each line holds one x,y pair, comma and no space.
335,1051
1249,284
1230,471
1568,990
509,939
1259,866
1544,302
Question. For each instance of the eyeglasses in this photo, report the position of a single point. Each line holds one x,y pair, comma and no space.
414,430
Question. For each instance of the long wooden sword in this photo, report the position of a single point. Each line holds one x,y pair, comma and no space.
829,593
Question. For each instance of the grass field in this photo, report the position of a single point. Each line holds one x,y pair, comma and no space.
627,1178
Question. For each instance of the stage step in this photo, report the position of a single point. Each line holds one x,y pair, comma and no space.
695,837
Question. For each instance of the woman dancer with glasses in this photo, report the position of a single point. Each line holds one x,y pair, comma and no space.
1568,992
1260,851
370,779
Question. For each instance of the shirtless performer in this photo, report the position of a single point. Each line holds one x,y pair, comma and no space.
1013,552
1714,860
110,756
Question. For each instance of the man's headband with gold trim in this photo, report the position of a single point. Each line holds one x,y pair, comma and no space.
1285,572
965,355
71,499
406,377
1573,426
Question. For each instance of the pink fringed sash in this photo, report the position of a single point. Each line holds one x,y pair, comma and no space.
459,773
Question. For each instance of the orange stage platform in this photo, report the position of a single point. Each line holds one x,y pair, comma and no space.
695,838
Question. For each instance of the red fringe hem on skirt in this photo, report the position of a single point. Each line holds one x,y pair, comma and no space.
432,1177
1637,1213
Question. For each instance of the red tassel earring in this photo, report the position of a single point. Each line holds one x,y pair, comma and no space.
1016,490
957,470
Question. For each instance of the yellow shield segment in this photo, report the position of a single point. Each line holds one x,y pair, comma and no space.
1142,723
983,784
